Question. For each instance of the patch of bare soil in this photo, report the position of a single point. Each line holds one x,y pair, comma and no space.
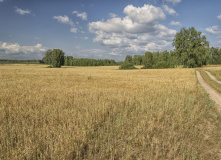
213,77
213,94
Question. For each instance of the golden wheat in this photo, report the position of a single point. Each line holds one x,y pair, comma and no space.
105,113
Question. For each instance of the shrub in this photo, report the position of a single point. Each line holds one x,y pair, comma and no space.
127,66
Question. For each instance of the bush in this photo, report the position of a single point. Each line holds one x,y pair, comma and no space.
147,66
161,65
127,66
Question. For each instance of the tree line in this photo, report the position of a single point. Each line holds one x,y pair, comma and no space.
191,50
167,59
151,60
70,61
56,58
14,61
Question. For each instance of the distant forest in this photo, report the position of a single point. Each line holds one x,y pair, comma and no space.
69,61
170,59
14,61
163,59
191,50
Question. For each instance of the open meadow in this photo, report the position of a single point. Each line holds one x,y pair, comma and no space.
105,113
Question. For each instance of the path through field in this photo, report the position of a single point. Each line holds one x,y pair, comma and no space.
213,94
212,77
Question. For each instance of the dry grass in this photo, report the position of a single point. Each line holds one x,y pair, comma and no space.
105,113
216,73
211,82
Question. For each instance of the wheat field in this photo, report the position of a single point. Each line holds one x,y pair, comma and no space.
105,113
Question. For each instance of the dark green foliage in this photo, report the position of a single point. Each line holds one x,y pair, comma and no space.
128,63
173,60
127,66
191,48
48,57
14,61
138,59
55,58
160,65
148,61
215,56
120,63
159,60
70,61
128,59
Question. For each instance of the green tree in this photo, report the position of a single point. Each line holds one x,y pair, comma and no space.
191,48
68,60
148,61
215,56
48,57
138,59
162,61
127,66
128,59
128,63
57,58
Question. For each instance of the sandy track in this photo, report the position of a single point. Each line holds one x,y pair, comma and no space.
213,94
213,77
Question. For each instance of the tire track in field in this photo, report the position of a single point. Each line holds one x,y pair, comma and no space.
213,77
213,94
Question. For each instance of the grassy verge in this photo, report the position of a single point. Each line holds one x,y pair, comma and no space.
211,82
105,113
216,73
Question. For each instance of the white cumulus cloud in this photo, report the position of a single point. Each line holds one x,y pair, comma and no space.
173,23
137,32
137,20
83,15
219,17
21,11
146,14
213,30
169,10
66,20
14,50
112,15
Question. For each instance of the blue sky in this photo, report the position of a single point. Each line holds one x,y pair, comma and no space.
101,29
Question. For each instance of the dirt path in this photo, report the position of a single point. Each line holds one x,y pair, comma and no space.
213,77
213,94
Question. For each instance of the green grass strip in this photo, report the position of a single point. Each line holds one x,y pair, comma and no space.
211,82
216,73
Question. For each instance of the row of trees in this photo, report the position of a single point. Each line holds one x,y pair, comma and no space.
56,58
70,61
191,50
33,61
167,59
215,56
151,60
